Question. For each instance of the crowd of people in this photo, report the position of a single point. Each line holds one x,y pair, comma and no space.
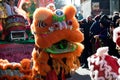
98,32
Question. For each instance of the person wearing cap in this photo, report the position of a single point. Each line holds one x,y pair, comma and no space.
114,18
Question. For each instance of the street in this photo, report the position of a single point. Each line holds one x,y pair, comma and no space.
81,74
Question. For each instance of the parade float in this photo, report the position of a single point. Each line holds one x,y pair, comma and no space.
16,45
57,49
15,37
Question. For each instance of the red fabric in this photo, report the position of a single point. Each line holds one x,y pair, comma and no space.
19,2
113,63
118,41
51,75
103,67
1,28
63,75
97,44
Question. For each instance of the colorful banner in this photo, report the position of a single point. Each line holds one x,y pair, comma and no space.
41,3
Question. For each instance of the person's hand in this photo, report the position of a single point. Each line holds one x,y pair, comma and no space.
96,36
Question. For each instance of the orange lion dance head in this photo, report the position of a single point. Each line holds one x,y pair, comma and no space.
57,41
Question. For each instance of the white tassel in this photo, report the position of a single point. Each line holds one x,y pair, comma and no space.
102,51
118,78
115,33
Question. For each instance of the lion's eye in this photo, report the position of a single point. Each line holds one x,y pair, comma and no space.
41,24
59,13
69,22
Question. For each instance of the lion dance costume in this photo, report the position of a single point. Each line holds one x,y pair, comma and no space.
57,43
102,65
57,47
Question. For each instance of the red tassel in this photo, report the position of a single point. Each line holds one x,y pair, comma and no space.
51,75
63,75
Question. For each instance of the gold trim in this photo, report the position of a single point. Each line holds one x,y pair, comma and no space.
14,25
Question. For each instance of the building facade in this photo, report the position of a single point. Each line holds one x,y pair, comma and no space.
103,6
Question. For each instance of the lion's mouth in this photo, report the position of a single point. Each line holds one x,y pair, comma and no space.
61,47
60,26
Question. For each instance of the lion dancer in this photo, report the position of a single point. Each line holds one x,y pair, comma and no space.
102,65
57,43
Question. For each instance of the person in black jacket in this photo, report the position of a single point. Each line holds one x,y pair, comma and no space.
94,30
85,25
